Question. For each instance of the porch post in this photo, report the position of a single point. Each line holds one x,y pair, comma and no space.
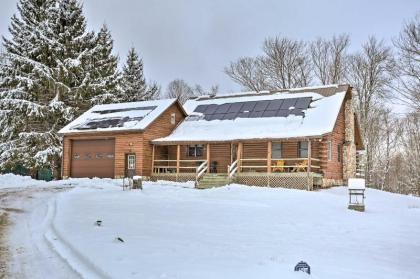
269,155
239,155
178,155
153,159
309,155
208,156
309,165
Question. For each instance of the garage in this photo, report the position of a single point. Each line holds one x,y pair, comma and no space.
93,158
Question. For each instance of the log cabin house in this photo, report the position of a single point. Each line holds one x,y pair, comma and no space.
297,138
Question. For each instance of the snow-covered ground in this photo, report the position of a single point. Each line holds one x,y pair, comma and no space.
173,231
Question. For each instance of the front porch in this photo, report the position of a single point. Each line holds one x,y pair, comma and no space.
286,163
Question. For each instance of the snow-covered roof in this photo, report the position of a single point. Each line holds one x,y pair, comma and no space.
118,117
314,120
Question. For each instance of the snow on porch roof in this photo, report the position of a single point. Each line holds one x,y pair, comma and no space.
316,119
118,117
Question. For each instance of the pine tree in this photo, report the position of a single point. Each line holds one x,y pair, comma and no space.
25,105
134,85
106,76
54,70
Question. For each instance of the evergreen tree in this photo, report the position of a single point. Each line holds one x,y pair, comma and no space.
134,85
106,76
54,70
27,137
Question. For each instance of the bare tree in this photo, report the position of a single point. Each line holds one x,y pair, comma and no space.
247,72
388,132
371,74
179,89
411,147
408,45
328,58
286,64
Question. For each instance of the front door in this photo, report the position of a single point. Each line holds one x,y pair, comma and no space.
130,165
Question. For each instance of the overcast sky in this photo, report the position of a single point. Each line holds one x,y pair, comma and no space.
195,40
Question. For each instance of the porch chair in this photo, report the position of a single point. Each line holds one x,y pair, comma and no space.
302,166
213,167
279,166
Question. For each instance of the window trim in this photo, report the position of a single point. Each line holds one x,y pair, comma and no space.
272,150
329,150
173,118
300,149
196,148
131,161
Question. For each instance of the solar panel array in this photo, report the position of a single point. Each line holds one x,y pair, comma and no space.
255,109
111,122
106,111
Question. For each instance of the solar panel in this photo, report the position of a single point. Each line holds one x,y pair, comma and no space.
261,105
287,103
210,109
218,116
269,113
235,107
223,108
297,112
274,105
255,109
283,113
248,106
243,114
230,116
256,114
106,111
201,108
303,103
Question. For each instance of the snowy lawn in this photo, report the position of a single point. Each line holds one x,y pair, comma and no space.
171,231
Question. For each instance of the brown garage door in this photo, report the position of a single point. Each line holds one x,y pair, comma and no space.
92,158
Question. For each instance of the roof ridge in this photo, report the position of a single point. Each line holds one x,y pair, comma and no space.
325,90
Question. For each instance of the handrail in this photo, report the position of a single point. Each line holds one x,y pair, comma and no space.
197,160
200,170
232,169
277,159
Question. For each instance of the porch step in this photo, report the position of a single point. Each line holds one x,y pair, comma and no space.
210,180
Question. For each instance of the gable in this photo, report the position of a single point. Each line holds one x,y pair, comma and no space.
134,116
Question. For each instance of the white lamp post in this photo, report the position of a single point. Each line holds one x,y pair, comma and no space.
357,188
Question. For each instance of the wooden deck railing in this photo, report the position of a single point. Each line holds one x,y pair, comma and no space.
165,166
280,165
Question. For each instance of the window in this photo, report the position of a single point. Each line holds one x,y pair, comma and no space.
276,150
195,150
339,152
303,149
329,150
173,118
131,162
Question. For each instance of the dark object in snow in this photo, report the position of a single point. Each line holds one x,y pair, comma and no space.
120,239
302,266
99,223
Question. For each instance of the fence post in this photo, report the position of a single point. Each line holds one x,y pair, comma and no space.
178,155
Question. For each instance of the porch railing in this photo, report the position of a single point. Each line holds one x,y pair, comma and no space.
201,170
170,166
232,169
280,165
